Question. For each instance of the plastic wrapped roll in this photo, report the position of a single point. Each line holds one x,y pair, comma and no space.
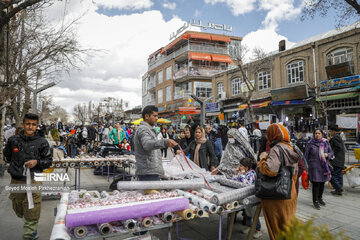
64,164
102,163
129,224
86,196
156,220
108,163
207,192
196,210
228,206
151,191
235,204
72,165
82,164
104,194
96,163
186,214
117,164
143,185
58,165
251,200
236,194
59,230
230,183
146,222
219,209
167,217
198,201
104,228
80,232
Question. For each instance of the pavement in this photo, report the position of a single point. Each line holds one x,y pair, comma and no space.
340,213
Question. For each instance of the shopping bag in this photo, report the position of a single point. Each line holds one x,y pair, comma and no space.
305,180
353,176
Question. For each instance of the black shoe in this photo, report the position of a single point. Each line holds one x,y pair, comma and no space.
321,202
337,192
316,205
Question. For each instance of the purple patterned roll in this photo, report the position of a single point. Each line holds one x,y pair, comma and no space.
89,216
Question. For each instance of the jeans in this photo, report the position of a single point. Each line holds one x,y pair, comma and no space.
337,178
317,190
150,177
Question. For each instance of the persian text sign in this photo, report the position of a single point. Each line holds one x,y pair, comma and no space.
340,82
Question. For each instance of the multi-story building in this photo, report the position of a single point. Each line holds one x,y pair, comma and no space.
315,77
186,66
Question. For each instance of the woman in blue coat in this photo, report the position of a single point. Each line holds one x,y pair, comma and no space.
318,152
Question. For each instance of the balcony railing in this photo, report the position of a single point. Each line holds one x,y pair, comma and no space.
196,71
154,63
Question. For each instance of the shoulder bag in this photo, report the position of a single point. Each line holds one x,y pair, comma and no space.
278,187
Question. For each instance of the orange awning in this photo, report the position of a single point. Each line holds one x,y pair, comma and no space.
199,56
220,58
220,38
173,43
255,105
200,36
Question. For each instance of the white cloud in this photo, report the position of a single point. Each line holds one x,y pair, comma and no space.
126,41
237,7
169,5
126,4
266,39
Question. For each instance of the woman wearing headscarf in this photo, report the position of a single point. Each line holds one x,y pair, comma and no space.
317,153
278,213
202,151
236,148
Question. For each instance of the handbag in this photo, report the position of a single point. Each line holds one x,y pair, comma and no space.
305,180
278,187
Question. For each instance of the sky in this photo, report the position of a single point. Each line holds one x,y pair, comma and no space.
128,31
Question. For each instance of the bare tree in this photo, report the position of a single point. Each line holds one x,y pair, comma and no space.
80,113
40,53
346,10
59,113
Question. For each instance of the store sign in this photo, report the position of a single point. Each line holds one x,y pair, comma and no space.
212,107
339,82
289,93
221,27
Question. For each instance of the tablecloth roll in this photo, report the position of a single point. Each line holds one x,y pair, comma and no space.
230,196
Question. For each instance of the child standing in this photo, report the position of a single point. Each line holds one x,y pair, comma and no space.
246,174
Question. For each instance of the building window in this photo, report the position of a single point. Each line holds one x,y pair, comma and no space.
160,77
151,81
295,72
341,55
168,93
220,89
182,90
264,80
235,49
168,73
203,89
160,96
144,86
235,86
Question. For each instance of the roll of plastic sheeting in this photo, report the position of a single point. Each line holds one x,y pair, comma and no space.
196,210
251,200
95,215
236,194
198,201
104,228
146,222
129,224
186,214
143,185
167,217
59,230
230,183
80,232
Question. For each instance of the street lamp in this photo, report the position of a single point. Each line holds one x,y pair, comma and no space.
35,93
202,107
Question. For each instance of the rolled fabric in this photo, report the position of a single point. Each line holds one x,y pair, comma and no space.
65,164
233,195
129,224
196,210
96,163
228,206
219,209
72,165
104,194
59,230
156,220
251,200
82,164
207,197
207,192
167,217
230,182
151,191
186,214
80,232
235,204
86,196
90,164
95,215
198,201
102,163
117,164
146,222
143,185
104,228
108,163
58,165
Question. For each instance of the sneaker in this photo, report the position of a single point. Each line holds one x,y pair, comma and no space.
257,234
316,205
245,230
35,236
321,202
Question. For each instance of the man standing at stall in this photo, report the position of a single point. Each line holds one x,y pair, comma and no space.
147,147
27,153
337,162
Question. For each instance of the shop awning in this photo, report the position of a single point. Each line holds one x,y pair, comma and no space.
200,56
220,38
188,110
220,58
173,43
338,96
255,105
200,36
291,102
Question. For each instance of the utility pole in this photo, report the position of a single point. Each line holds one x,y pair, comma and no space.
35,93
202,107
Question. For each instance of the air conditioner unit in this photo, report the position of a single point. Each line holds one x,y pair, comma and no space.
222,96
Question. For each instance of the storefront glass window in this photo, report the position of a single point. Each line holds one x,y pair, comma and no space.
235,86
264,80
295,72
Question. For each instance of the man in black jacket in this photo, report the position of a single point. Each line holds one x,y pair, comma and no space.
27,153
337,162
